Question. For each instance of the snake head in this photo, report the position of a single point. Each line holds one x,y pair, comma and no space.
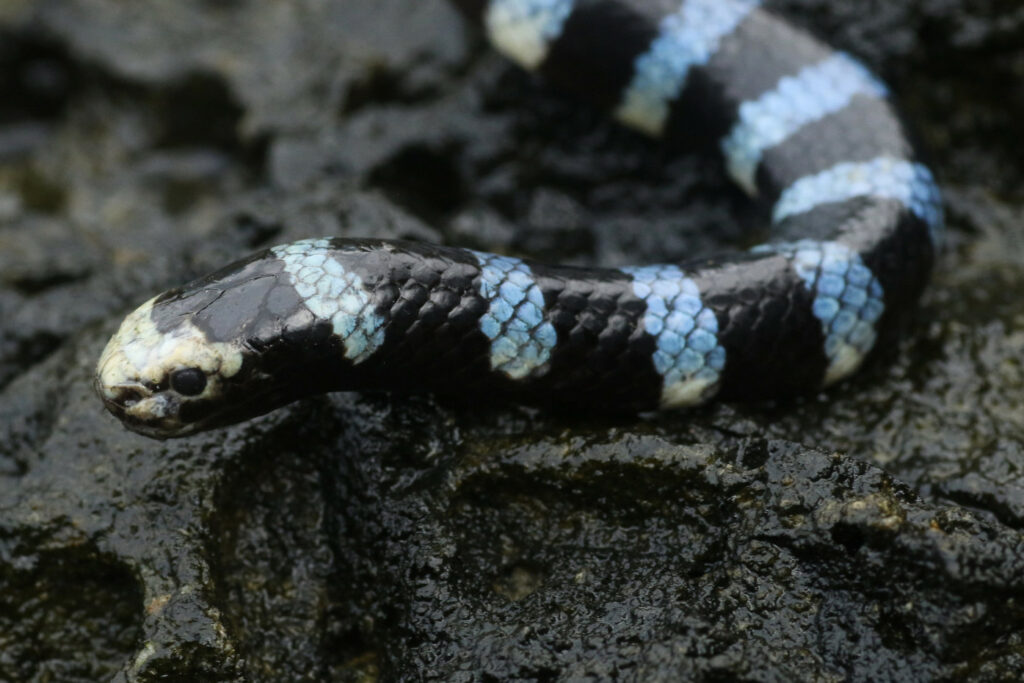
155,377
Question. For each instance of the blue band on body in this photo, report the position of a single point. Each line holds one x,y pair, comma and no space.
334,294
812,94
688,355
884,178
848,300
687,38
521,339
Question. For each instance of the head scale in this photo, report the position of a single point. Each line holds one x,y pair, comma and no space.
148,377
253,336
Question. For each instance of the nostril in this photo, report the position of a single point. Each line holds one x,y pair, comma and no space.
129,397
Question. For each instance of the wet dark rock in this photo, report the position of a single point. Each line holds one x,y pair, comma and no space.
873,533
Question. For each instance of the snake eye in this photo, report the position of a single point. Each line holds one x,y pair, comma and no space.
188,381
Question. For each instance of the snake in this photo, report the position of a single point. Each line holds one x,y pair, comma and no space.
854,226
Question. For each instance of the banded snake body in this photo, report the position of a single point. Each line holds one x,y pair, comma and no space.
856,222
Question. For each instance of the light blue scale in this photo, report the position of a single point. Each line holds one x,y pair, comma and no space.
334,294
687,353
848,299
796,101
907,182
686,38
521,339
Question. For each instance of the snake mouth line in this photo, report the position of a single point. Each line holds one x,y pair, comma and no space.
135,424
119,399
171,427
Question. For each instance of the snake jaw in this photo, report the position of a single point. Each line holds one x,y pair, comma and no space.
141,408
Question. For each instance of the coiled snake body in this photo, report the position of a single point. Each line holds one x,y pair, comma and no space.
855,225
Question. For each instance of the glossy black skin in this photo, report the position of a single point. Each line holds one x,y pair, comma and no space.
603,360
773,343
430,298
